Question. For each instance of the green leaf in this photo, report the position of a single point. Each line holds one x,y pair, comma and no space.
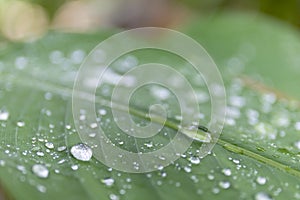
258,152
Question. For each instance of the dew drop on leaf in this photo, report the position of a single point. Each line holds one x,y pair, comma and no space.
194,160
20,124
262,196
108,181
81,152
49,145
224,184
74,167
40,170
226,172
4,114
113,197
261,180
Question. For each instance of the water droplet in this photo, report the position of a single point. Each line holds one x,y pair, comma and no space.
253,116
40,153
230,121
61,148
226,172
122,191
41,188
92,135
297,126
262,196
224,184
136,165
160,92
210,177
21,62
149,144
49,145
102,112
74,167
236,161
20,124
4,114
269,98
187,169
21,168
93,125
48,96
108,181
237,101
233,112
81,152
2,163
194,160
56,57
40,170
77,56
113,197
261,180
266,130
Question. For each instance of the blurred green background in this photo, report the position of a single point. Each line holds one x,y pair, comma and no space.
29,19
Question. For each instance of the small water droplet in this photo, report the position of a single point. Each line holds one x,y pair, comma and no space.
237,101
93,125
261,180
74,167
2,163
226,172
113,197
194,160
210,177
187,169
21,62
77,56
224,184
20,123
56,57
108,181
40,153
81,152
40,170
297,126
149,144
49,145
4,114
41,188
253,116
160,92
102,112
92,135
262,196
21,168
61,148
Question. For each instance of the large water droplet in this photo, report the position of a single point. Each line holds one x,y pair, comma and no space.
40,170
82,152
49,145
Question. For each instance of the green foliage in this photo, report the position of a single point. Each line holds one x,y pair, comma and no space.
257,154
